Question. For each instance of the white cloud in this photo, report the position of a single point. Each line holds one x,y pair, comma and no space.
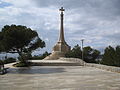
46,39
97,21
21,3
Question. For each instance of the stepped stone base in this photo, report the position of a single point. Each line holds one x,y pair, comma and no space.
54,64
59,62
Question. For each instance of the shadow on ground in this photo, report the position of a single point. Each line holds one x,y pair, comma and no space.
35,70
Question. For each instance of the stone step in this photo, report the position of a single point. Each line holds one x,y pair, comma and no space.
54,64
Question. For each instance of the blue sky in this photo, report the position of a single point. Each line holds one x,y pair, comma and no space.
97,21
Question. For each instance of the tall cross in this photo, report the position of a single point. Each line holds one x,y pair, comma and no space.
61,38
62,9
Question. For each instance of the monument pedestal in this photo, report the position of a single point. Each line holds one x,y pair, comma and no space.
61,48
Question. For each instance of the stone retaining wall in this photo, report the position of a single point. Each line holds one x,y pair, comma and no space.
100,66
104,67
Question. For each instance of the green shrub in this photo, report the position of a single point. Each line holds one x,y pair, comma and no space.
1,62
25,57
9,60
21,64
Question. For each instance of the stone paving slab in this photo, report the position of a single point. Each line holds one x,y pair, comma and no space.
59,78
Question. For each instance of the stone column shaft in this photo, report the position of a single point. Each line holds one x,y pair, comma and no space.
61,37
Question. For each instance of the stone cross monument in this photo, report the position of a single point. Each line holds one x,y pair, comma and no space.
61,46
61,38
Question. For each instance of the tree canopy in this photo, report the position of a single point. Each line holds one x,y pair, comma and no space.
90,54
111,56
75,52
19,39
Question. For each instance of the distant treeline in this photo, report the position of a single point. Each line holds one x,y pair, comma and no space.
110,57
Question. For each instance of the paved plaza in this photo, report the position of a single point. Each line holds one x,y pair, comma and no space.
59,78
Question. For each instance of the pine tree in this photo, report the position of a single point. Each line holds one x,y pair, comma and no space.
111,56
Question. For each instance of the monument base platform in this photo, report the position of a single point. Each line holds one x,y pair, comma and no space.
59,62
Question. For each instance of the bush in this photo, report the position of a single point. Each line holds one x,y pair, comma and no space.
25,57
23,60
21,64
1,62
9,60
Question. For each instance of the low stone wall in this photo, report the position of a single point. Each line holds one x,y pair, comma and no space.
104,67
75,60
100,66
